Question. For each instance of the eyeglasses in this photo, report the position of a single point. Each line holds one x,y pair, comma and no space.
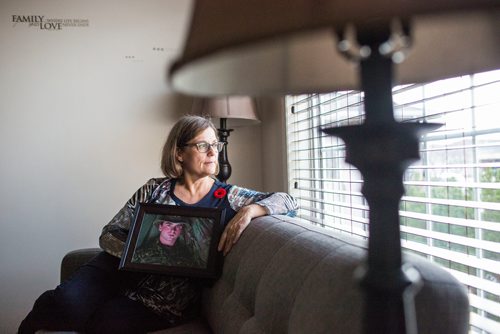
203,146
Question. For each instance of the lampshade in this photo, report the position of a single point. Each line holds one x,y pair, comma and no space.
238,110
275,47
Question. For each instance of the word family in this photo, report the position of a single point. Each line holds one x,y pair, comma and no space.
27,18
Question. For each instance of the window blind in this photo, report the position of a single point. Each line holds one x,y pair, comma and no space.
450,212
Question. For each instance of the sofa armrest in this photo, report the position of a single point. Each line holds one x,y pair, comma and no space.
76,258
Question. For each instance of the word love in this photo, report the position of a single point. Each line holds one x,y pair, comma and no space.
50,26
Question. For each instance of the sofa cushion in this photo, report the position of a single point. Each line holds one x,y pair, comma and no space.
286,276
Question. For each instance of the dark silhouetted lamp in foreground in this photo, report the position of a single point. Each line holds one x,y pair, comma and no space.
266,47
232,111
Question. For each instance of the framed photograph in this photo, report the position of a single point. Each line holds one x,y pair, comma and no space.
174,240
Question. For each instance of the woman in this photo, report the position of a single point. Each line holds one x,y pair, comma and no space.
101,299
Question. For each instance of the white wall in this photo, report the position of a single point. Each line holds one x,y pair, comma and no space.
274,169
84,112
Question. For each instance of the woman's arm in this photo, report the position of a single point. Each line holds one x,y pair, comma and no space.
114,234
275,203
251,204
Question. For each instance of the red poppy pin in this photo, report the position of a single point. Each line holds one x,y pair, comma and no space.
220,193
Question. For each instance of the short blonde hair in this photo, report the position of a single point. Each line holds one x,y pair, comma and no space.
183,131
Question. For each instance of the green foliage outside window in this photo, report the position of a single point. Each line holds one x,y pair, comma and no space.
491,175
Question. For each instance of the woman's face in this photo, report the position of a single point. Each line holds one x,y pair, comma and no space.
195,163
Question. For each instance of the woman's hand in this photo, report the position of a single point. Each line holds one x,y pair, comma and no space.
238,224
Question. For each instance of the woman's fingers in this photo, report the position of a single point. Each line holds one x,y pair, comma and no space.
232,232
238,224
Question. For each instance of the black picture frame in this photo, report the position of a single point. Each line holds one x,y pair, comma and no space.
153,247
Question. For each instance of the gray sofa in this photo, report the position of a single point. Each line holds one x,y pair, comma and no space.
287,276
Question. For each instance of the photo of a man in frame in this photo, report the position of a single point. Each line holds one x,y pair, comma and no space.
174,241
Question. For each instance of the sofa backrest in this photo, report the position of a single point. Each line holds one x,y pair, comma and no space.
286,276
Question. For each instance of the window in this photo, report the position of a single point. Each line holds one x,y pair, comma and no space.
450,213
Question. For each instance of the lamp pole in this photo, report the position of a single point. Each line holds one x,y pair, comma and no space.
381,149
224,166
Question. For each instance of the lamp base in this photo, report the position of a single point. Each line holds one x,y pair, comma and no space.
225,169
381,152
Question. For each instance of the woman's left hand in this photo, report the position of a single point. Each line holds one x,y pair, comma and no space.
238,224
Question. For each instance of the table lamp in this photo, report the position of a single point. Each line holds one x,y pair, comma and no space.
231,111
301,46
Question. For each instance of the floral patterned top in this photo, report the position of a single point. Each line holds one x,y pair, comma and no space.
176,298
